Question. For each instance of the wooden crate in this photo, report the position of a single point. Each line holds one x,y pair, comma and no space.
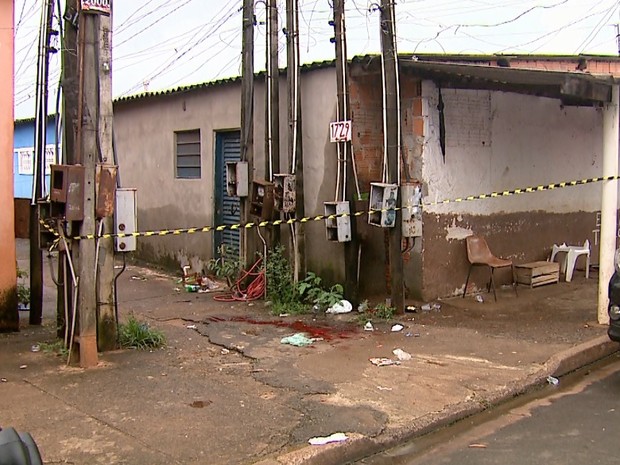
538,273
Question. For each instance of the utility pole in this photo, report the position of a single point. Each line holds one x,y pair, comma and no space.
392,127
91,150
272,101
351,248
295,149
69,57
9,315
247,115
40,142
106,321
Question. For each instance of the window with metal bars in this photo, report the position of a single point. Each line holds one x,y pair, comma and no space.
187,154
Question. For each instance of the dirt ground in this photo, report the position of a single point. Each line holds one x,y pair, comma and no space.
226,390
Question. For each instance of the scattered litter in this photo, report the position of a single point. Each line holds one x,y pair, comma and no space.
383,361
382,388
411,308
224,351
479,298
191,326
397,327
35,348
23,367
298,340
178,289
435,306
283,315
4,380
138,278
192,287
426,307
553,380
322,440
401,354
344,306
368,326
477,446
408,334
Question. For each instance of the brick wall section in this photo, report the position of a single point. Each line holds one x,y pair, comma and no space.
367,117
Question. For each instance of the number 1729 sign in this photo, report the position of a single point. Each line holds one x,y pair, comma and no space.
340,131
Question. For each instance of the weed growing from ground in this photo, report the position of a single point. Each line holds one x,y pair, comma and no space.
139,335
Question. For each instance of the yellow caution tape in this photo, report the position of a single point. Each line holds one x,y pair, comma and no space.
262,224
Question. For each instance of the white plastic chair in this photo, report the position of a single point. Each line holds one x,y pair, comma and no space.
572,254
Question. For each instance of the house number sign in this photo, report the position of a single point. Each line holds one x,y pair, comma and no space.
96,6
340,131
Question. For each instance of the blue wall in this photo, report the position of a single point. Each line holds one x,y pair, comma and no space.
23,137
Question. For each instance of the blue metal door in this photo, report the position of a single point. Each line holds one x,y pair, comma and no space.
227,208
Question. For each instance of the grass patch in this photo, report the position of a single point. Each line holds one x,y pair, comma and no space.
136,334
57,348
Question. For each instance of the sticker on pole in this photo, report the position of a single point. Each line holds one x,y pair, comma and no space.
340,131
96,6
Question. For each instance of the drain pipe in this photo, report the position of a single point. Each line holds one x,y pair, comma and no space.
609,203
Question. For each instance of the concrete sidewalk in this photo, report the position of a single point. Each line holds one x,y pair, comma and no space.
226,390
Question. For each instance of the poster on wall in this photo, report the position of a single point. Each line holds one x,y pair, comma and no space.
25,159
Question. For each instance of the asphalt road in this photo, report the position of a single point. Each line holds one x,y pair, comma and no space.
577,423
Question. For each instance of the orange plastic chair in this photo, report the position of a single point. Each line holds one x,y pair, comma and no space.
479,254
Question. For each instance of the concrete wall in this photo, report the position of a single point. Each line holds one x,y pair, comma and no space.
144,131
498,141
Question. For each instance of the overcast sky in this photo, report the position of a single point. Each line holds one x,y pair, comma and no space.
160,44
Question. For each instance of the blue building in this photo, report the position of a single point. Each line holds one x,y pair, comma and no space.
23,167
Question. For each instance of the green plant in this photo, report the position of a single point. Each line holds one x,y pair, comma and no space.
23,292
228,266
57,347
279,275
310,290
383,311
139,335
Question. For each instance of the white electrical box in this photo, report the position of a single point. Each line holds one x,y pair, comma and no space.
382,208
411,195
284,192
237,183
125,219
338,229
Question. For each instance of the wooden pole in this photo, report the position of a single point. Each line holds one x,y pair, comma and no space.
295,148
351,248
69,118
36,256
9,315
247,117
388,49
106,321
272,102
87,300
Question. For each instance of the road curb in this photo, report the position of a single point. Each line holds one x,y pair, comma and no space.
358,447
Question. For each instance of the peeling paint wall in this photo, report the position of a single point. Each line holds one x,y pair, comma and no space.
499,141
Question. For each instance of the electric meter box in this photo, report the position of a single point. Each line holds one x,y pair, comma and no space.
338,229
411,195
237,184
125,219
262,200
382,208
284,192
67,192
